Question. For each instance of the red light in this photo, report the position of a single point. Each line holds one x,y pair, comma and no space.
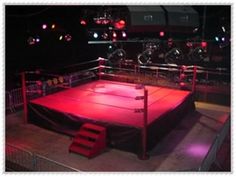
162,33
120,24
83,22
182,84
39,83
204,44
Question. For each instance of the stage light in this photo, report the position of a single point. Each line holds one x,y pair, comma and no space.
60,79
83,22
95,35
174,56
223,29
114,35
117,56
44,26
170,42
204,44
217,39
39,83
145,57
162,33
61,37
110,47
223,39
105,35
124,34
49,82
37,39
120,24
197,55
55,81
53,26
31,40
68,37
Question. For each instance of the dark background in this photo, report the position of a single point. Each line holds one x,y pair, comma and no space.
52,54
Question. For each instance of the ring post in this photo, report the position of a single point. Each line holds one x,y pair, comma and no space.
144,130
100,68
23,83
194,78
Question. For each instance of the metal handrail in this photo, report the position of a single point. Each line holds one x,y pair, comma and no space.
31,161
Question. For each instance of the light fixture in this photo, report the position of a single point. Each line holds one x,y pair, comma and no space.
174,56
60,37
117,56
114,35
83,22
197,55
37,39
119,24
68,37
95,35
145,57
124,35
105,36
31,40
53,26
162,33
44,26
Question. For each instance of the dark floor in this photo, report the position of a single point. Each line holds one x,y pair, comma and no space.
167,156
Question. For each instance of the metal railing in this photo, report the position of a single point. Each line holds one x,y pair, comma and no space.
18,159
14,98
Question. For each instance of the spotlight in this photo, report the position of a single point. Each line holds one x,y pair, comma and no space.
83,22
61,37
31,40
223,39
198,54
110,47
223,29
174,56
217,38
162,33
120,24
204,44
95,35
44,26
145,57
105,35
114,35
124,34
53,26
117,56
37,39
170,42
68,37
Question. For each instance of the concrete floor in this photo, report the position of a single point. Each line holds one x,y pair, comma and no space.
171,154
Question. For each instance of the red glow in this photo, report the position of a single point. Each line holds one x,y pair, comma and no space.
183,67
204,44
182,84
120,24
39,83
162,33
83,22
104,97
